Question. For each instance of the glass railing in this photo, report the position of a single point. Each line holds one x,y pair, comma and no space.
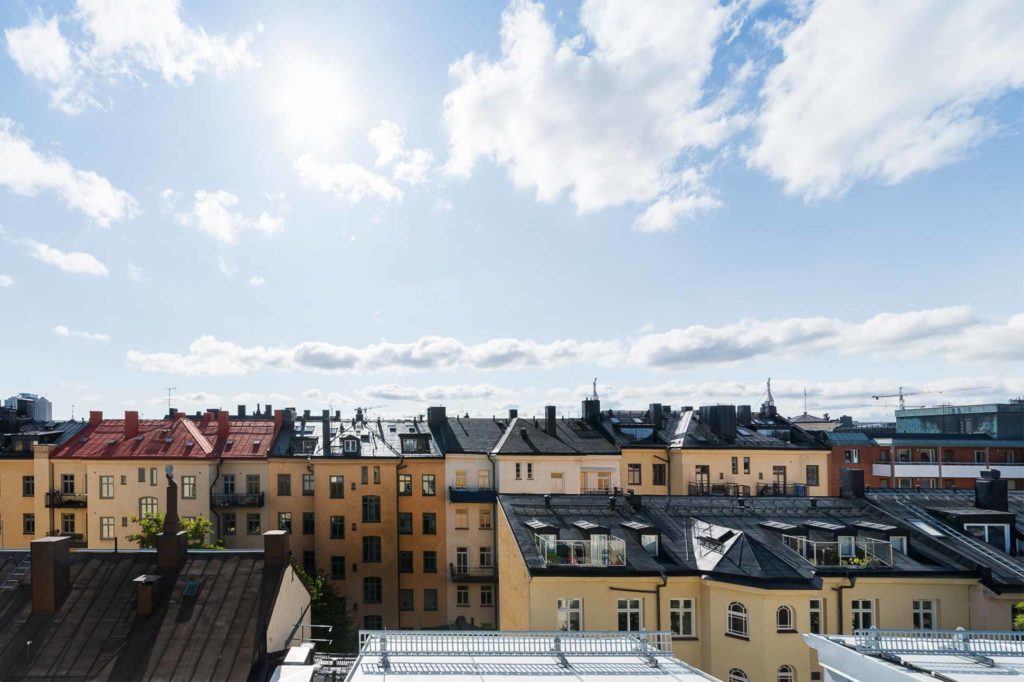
599,550
853,552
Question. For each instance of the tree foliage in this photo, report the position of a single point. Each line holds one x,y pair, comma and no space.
329,608
197,530
1018,617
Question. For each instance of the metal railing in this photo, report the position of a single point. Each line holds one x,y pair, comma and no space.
719,490
456,494
236,499
855,552
782,490
473,573
610,551
515,643
601,491
57,499
951,642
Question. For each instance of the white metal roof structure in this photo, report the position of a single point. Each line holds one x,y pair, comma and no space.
903,655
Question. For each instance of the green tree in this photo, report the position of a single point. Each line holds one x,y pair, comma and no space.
196,530
329,608
1018,616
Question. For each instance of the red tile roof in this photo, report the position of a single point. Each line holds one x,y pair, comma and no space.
180,438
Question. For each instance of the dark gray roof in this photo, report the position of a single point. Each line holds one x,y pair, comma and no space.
469,434
844,438
376,437
635,428
43,433
762,433
527,436
98,635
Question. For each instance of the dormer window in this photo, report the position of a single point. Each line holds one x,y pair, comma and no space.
414,445
650,543
351,445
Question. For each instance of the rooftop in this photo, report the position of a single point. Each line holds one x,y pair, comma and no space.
526,436
354,437
737,427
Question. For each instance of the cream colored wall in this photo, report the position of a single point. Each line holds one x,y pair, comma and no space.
646,458
292,606
991,611
13,505
761,463
570,466
515,595
473,538
241,467
48,478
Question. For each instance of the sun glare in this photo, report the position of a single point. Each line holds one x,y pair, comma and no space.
314,101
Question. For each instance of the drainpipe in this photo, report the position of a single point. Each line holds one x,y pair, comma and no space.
213,486
494,531
398,539
657,597
668,472
839,595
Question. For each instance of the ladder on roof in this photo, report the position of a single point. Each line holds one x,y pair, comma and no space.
17,574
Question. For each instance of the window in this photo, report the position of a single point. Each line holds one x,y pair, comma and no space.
405,562
147,506
924,614
736,620
786,674
364,475
309,561
429,523
812,475
519,471
188,487
405,484
229,525
883,455
851,456
67,523
429,485
681,619
462,595
815,617
737,675
28,486
414,444
106,528
372,590
252,523
67,484
406,600
979,456
902,455
485,519
569,614
338,567
28,524
659,477
106,487
252,484
307,485
630,612
461,519
899,543
373,622
376,475
308,523
337,487
284,485
997,535
430,561
337,527
486,557
228,484
284,521
633,474
351,445
142,475
405,523
462,560
746,465
371,509
483,479
784,619
371,549
529,471
152,476
847,546
460,479
735,465
487,595
904,483
430,599
863,611
557,482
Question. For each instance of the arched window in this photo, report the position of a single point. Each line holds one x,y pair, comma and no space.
736,620
786,674
148,506
784,619
737,675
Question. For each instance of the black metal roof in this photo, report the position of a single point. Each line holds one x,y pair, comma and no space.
527,436
469,434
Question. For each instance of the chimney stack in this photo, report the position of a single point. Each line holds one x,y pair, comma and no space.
549,420
148,593
223,428
436,417
131,424
173,412
51,573
655,414
275,548
172,544
513,413
326,418
241,410
991,491
95,417
851,482
268,409
591,410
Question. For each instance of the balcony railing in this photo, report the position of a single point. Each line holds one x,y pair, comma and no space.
57,499
782,490
473,574
595,552
965,643
600,491
470,494
700,489
236,499
854,552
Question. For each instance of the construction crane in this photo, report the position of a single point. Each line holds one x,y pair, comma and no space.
901,394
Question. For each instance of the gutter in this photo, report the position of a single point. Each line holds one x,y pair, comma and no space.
398,540
657,597
494,531
839,595
213,485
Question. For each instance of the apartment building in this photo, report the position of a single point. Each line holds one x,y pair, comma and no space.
735,579
642,437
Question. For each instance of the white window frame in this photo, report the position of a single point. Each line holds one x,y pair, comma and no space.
486,557
486,519
816,607
987,526
107,528
461,519
148,502
737,675
858,610
743,619
351,445
923,608
678,608
847,546
648,544
483,479
461,479
487,590
529,471
899,543
851,456
558,487
790,616
630,607
519,471
786,673
462,595
564,610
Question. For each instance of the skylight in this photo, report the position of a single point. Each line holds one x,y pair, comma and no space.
928,529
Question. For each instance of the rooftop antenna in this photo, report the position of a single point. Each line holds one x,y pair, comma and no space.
770,400
805,399
594,394
169,390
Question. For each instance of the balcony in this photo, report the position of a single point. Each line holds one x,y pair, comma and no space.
600,491
57,499
236,499
943,470
782,490
470,494
700,489
853,552
473,574
597,552
78,540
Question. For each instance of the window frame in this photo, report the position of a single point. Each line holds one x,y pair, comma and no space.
858,611
28,486
106,485
659,475
404,485
678,609
336,487
337,527
920,611
630,608
108,528
816,616
284,485
428,485
737,620
146,502
308,485
634,474
189,487
564,610
785,619
371,508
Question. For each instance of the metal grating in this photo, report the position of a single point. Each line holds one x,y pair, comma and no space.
948,642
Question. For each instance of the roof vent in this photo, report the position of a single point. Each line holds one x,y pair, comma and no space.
168,440
189,443
139,438
112,441
257,441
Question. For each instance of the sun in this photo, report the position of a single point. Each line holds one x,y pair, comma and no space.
315,101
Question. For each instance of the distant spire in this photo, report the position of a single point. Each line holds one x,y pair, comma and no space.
770,400
594,394
805,399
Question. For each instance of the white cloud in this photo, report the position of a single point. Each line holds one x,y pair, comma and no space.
443,204
61,330
439,392
137,274
349,181
687,198
605,115
214,214
884,90
257,281
311,393
6,281
410,165
120,40
25,171
168,200
226,268
74,262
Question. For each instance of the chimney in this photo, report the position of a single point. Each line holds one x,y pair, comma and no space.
437,417
173,412
222,425
95,417
172,544
131,424
337,415
591,410
51,573
990,491
512,414
269,409
549,420
275,548
655,413
743,415
241,410
148,592
851,482
305,414
325,417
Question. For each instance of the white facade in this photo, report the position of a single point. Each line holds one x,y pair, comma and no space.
42,409
571,474
471,538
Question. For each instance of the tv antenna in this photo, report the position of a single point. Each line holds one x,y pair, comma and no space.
169,389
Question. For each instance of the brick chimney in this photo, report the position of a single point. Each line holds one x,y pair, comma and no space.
276,551
278,419
172,544
148,593
326,437
95,417
223,428
549,420
131,424
51,573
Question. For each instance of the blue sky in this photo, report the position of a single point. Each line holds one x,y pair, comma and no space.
486,205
